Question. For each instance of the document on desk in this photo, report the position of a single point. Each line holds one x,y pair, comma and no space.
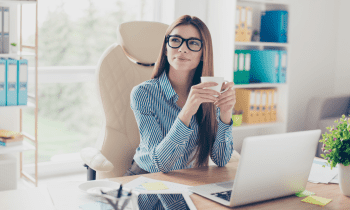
319,174
67,195
137,184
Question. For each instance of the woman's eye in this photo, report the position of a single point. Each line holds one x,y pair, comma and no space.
175,40
194,43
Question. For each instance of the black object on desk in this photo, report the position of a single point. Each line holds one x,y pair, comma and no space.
91,173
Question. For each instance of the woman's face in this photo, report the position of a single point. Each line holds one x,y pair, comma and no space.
182,58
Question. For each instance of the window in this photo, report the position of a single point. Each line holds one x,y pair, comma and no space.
72,37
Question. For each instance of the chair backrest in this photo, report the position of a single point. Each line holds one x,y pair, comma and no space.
116,76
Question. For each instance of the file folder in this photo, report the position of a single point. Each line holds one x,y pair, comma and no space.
6,29
235,67
263,105
274,26
259,115
3,76
22,81
238,23
274,105
11,65
283,67
277,67
242,66
263,66
247,29
1,34
268,105
246,101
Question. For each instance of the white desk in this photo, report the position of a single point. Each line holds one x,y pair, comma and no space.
29,199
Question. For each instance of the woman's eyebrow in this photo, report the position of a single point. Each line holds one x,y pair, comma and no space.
189,38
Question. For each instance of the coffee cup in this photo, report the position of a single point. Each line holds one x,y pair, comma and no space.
219,80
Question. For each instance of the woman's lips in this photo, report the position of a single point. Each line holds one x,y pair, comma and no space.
182,59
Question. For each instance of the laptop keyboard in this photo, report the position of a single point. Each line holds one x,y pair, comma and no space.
226,195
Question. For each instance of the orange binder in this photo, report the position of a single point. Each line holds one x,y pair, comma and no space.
263,105
258,106
239,30
268,105
247,29
274,106
246,101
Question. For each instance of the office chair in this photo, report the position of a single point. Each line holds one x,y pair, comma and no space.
122,66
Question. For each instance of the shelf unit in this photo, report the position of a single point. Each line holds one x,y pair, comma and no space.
33,139
221,23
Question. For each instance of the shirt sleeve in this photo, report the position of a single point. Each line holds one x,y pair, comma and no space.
163,151
223,144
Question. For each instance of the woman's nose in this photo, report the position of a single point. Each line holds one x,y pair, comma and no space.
183,48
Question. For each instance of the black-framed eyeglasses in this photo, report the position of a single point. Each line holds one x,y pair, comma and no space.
193,44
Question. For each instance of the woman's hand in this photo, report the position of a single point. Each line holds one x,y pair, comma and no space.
227,100
196,97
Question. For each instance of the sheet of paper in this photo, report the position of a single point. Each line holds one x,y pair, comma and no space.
317,200
304,193
136,184
318,174
155,186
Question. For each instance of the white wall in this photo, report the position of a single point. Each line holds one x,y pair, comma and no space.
342,73
172,9
313,48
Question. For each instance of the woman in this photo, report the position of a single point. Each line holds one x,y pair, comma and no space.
181,123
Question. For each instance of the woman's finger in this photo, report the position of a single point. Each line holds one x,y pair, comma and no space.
204,85
227,85
206,91
227,93
207,96
225,100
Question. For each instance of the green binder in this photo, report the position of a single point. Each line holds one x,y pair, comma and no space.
241,66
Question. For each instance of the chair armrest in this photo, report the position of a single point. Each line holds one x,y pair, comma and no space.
95,160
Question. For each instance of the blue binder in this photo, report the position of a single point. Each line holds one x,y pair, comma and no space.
11,66
283,66
274,26
3,80
264,66
22,81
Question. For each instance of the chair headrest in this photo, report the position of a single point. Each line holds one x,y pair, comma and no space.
142,40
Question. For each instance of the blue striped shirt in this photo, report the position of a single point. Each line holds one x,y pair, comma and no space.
166,143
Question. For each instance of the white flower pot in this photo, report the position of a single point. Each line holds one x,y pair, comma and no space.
344,179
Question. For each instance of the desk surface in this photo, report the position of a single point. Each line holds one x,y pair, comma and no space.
40,199
212,174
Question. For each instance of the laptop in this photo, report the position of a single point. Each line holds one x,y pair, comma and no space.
270,166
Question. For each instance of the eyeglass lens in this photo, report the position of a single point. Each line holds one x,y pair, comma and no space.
193,44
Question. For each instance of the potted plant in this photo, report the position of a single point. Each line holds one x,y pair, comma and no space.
336,146
14,47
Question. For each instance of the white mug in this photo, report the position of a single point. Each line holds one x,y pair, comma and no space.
219,80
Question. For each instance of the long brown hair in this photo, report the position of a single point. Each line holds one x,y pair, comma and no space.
206,114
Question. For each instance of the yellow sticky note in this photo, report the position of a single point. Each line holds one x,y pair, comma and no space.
155,186
317,200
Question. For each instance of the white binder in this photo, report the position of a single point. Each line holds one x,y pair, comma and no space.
1,34
6,30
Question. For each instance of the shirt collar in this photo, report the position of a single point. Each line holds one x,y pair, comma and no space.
166,86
